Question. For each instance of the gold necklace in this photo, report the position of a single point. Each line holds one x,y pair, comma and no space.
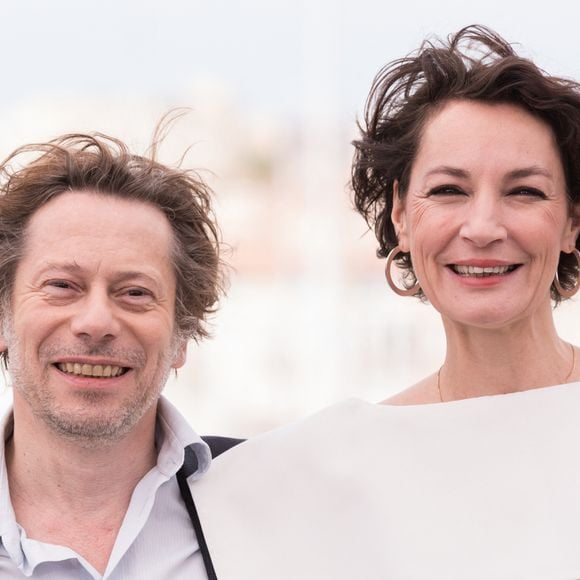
565,380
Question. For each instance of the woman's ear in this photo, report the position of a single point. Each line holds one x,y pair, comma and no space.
399,218
572,231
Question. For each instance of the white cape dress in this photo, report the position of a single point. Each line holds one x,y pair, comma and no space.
484,488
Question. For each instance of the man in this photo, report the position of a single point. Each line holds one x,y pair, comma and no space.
109,264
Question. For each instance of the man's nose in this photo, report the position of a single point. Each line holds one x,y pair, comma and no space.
484,220
95,317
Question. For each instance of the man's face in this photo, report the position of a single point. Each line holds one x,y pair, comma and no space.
91,338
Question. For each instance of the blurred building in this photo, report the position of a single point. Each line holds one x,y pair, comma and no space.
308,319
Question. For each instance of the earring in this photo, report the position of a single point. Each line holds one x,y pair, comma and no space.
400,291
561,290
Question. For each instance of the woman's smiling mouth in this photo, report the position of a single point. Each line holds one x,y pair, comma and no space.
482,272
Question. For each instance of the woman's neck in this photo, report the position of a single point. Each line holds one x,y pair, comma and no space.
524,355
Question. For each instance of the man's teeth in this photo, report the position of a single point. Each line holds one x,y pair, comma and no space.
478,271
90,370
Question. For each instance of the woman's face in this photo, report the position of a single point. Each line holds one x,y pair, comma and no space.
485,215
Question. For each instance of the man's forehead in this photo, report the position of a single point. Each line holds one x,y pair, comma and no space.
88,233
75,200
84,213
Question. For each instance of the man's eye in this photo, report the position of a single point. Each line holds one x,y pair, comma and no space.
137,293
59,284
59,290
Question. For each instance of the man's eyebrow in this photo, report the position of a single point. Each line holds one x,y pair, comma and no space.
134,275
122,276
66,266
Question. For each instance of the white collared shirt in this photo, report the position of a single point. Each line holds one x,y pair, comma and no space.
156,539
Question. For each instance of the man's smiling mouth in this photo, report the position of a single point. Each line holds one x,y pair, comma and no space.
87,370
481,272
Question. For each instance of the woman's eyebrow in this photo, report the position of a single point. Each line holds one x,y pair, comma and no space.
530,171
449,170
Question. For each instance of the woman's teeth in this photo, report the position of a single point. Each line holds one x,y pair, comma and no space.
480,272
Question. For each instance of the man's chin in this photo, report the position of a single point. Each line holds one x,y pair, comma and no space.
91,431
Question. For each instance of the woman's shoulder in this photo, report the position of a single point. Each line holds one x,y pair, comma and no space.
421,393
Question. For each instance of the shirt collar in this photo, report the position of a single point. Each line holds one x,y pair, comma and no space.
173,436
9,532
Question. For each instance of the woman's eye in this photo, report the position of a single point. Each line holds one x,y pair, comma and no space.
529,192
446,190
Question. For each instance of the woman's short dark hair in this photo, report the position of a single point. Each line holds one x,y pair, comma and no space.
100,164
474,64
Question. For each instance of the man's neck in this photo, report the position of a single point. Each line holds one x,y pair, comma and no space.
63,470
71,494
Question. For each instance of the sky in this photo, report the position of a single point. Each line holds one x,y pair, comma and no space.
270,55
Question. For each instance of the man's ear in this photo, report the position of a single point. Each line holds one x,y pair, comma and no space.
3,343
180,354
399,218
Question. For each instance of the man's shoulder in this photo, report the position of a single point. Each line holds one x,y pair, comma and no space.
218,445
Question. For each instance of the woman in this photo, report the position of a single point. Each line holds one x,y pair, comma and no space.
468,168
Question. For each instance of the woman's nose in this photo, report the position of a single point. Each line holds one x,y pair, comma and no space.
483,222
